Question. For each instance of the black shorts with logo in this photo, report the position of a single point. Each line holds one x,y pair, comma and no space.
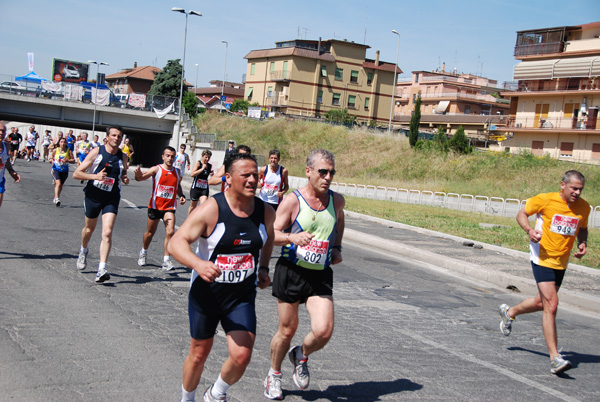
292,283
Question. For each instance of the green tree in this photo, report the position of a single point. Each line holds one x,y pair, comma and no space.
240,105
459,142
440,140
415,120
190,104
168,81
340,116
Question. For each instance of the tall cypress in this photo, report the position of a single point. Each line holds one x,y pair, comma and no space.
415,120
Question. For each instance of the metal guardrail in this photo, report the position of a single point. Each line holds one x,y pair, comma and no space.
496,206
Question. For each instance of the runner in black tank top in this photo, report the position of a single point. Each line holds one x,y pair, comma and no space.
234,231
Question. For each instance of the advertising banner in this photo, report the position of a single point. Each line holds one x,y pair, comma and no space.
69,71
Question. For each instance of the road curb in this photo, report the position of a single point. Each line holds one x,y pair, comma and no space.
502,280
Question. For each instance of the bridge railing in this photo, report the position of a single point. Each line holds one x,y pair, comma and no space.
56,90
498,206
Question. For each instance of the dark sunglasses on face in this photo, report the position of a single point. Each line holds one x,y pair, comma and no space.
323,172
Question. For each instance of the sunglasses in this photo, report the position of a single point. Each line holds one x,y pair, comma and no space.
323,172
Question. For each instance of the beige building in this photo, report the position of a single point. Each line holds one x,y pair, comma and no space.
554,111
309,78
451,100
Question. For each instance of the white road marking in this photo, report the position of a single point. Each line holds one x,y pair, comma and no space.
130,204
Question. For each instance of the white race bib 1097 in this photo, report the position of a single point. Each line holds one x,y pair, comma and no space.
564,225
234,267
105,185
314,253
165,192
270,189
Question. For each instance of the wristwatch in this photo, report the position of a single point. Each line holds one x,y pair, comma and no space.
339,248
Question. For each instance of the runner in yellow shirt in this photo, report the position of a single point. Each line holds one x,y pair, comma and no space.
561,217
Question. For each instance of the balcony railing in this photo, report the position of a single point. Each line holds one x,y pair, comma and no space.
538,49
280,75
569,123
457,95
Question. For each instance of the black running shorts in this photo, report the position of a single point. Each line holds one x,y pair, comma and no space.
292,283
204,321
196,193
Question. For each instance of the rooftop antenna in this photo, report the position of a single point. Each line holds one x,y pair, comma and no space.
366,23
455,56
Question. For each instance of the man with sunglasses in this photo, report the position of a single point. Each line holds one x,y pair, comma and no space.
309,225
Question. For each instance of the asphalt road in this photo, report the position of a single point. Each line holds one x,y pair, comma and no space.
404,329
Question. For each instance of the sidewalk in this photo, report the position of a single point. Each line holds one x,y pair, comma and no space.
498,266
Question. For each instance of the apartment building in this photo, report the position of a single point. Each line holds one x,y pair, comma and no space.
450,100
309,78
554,109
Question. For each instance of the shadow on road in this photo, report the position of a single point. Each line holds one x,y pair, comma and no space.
574,357
5,255
367,391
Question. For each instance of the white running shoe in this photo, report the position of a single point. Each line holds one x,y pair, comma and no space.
167,265
273,386
209,398
506,323
301,375
142,259
102,275
559,364
82,260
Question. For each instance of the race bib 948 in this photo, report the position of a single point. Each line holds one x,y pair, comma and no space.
564,225
234,267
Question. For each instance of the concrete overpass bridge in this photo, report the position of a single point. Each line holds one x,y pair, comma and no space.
148,133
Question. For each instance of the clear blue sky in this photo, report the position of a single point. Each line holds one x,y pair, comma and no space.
473,36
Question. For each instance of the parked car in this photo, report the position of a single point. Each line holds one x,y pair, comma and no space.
71,72
12,87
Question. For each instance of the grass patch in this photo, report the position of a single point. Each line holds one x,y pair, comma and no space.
462,224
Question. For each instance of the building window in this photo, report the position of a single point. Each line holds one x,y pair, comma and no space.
537,148
367,100
269,91
595,151
467,109
249,93
354,76
320,97
566,149
323,71
339,74
272,70
336,100
417,78
252,68
369,78
352,101
285,67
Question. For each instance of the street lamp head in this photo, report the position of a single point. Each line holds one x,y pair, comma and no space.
396,32
192,12
103,63
224,41
178,10
92,62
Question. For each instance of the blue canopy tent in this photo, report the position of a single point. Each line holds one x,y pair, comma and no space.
31,77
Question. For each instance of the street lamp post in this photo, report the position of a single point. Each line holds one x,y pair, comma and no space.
224,74
196,76
96,93
181,10
394,84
